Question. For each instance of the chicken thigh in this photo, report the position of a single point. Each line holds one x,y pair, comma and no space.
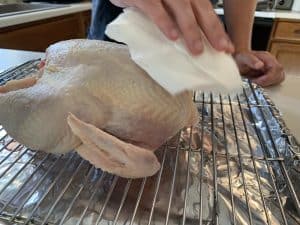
90,96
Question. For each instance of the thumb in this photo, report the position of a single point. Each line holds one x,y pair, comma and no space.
250,61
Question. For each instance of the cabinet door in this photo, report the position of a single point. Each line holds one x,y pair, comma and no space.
288,54
287,30
86,21
37,36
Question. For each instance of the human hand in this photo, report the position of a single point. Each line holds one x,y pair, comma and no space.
260,67
184,17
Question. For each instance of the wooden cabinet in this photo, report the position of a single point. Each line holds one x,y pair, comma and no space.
289,31
288,54
285,44
38,35
86,18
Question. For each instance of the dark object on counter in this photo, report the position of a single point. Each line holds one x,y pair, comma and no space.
284,4
264,5
267,5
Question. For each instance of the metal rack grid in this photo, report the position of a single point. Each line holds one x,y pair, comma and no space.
227,170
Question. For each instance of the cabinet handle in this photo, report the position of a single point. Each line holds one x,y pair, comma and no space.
297,31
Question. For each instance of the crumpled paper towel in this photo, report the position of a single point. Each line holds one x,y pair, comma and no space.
169,63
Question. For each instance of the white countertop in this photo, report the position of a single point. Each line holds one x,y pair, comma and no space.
39,15
11,58
282,14
287,98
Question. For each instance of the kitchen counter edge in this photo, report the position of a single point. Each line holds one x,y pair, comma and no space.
45,14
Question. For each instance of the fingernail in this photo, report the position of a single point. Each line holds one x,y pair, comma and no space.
198,46
174,34
258,65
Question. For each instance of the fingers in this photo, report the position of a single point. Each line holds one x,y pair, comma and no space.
212,26
274,73
156,11
261,67
248,63
267,79
184,15
252,61
268,58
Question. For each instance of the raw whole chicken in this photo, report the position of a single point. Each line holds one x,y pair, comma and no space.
91,97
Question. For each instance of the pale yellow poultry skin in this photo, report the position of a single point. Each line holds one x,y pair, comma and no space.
91,97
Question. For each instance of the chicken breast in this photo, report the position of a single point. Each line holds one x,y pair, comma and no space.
90,96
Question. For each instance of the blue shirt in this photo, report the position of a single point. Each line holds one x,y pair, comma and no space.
103,12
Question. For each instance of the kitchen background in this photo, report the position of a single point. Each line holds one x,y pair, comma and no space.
247,169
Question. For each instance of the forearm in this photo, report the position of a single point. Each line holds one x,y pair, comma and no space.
239,17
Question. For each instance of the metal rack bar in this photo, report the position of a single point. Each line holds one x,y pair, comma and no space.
268,164
14,162
25,183
138,200
122,201
34,189
49,188
76,196
106,200
96,188
215,172
281,163
157,185
201,164
187,181
17,174
254,164
241,163
11,152
258,158
228,166
62,192
11,73
173,181
3,137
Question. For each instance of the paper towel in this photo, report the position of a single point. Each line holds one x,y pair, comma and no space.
169,63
